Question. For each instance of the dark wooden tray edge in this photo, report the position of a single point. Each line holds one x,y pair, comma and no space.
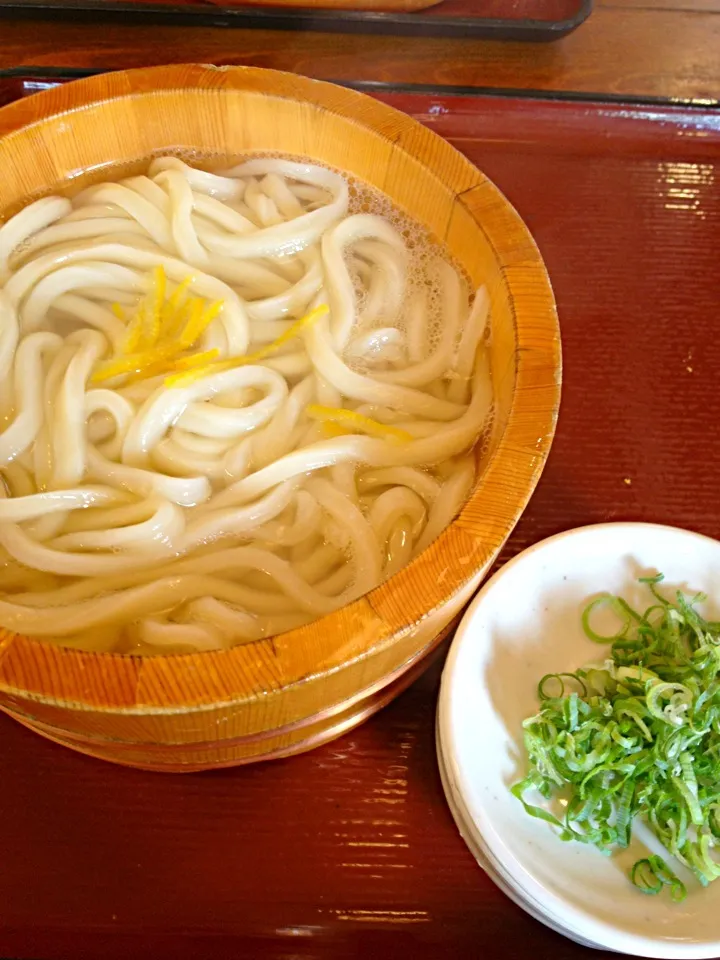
345,21
65,74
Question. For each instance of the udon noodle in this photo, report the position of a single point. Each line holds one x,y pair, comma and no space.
231,403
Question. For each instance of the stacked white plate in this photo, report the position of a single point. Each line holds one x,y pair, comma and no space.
524,623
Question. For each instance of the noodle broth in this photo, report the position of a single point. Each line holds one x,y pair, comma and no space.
232,402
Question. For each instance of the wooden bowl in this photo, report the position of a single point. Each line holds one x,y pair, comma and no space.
281,696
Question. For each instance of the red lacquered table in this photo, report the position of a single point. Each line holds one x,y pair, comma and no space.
350,851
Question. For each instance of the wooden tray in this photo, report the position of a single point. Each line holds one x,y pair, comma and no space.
540,20
350,852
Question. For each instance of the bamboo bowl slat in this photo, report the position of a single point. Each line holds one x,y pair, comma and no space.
287,694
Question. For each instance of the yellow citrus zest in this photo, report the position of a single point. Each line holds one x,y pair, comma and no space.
164,329
200,319
292,331
184,378
179,297
153,311
134,331
348,421
197,359
131,364
332,430
188,369
160,333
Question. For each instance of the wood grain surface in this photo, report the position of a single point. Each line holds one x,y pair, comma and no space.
621,49
349,852
279,695
696,6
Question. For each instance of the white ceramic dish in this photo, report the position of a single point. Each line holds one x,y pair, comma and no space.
524,623
494,870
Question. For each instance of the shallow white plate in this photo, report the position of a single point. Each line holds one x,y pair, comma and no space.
492,868
524,623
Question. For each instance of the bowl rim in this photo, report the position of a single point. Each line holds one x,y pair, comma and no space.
514,463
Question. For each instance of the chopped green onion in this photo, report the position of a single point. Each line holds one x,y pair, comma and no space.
604,601
636,736
543,694
652,874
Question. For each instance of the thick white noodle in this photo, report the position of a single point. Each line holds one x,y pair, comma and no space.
147,517
33,219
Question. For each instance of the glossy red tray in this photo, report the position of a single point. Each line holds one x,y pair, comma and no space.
350,852
540,20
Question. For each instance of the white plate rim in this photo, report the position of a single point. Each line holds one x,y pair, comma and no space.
602,934
468,831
